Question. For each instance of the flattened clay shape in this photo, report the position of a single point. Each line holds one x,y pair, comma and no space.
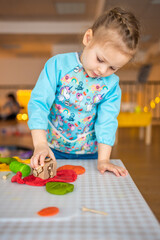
49,211
59,188
78,169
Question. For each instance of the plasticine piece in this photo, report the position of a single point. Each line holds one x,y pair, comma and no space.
49,211
26,161
62,176
78,169
59,188
20,167
4,167
18,178
47,171
7,160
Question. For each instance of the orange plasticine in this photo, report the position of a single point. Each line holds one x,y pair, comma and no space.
49,211
78,169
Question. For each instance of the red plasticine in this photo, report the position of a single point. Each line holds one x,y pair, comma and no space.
62,176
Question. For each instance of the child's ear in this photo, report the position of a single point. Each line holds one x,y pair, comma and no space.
87,37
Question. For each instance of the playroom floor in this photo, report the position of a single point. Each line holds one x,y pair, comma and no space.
143,162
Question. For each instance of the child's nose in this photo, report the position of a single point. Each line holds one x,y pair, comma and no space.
103,69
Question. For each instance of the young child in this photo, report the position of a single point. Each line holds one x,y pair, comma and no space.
74,106
10,109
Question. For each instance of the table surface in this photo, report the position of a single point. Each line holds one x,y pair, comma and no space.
129,216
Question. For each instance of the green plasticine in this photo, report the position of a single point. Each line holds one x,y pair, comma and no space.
7,160
16,166
59,188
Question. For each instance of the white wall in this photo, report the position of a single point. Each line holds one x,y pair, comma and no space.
65,48
20,71
128,74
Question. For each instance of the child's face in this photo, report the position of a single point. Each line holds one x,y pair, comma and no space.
101,60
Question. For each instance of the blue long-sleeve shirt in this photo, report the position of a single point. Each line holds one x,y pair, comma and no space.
76,111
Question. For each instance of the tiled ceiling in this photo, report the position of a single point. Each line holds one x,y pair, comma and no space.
55,10
66,11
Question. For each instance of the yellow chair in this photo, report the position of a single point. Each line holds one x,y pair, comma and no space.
141,120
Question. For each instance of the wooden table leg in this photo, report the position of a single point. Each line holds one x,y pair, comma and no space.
141,133
148,134
116,140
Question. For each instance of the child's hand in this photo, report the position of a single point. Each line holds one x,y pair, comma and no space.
107,166
40,153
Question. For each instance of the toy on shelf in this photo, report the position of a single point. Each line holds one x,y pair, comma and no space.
4,152
47,171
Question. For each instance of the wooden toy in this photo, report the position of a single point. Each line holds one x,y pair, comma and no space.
6,176
47,171
84,209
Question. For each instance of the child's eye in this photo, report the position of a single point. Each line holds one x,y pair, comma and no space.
99,60
113,69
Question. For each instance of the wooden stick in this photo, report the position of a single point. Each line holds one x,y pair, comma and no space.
6,176
84,209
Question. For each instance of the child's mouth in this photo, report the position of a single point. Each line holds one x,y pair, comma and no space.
94,74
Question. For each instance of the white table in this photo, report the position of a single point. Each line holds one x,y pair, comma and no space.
129,217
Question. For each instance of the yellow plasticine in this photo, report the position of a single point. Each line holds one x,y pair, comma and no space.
16,157
4,167
27,161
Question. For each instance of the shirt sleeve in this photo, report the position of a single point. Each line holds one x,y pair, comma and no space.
106,123
43,95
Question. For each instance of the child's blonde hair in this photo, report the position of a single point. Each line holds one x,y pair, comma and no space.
123,22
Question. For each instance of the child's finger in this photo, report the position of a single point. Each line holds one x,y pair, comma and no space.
31,161
125,171
51,154
35,161
41,159
116,172
122,171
